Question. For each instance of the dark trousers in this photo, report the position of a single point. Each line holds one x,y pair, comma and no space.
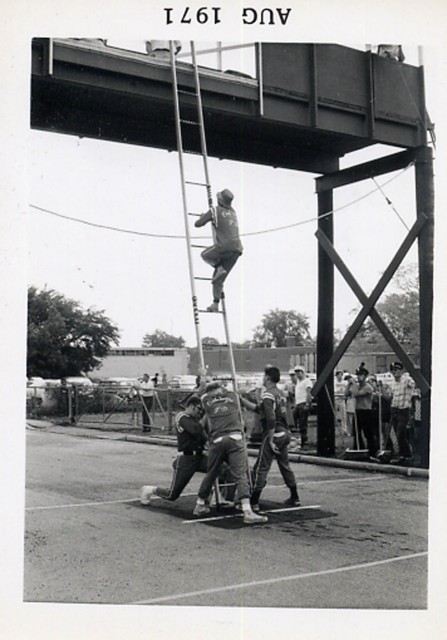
146,408
399,420
264,462
218,258
185,466
366,431
301,414
232,452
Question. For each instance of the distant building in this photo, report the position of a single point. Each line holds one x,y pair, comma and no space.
132,363
254,360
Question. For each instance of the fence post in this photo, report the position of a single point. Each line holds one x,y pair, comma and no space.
71,391
169,409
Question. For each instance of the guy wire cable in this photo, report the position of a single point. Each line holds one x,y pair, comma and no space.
249,233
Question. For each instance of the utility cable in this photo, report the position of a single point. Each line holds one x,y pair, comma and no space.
388,201
250,233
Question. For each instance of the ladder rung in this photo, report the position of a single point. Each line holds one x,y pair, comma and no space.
198,184
199,246
201,278
193,153
189,122
196,215
188,93
206,311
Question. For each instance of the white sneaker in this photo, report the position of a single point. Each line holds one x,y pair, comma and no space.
146,494
254,518
213,308
201,510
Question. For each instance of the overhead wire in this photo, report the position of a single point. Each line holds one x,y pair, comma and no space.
249,233
388,201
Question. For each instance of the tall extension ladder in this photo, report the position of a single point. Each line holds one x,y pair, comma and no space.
199,126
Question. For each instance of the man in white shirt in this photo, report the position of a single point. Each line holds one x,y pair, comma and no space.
146,393
303,399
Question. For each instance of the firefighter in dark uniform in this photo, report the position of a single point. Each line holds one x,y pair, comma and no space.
191,440
276,438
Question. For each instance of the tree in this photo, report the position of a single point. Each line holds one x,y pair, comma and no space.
209,342
277,325
63,339
162,339
400,312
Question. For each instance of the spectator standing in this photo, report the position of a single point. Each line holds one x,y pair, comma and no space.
340,401
155,380
363,393
289,389
401,391
145,390
65,400
303,399
350,408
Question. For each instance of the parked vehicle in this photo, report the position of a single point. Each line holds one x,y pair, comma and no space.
185,382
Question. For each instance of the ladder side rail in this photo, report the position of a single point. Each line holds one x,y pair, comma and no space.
185,207
203,145
230,347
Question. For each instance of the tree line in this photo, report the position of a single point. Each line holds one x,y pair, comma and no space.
66,340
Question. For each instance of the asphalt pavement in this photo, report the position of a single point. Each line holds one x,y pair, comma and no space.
358,537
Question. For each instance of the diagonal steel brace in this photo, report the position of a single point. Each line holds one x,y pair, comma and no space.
368,307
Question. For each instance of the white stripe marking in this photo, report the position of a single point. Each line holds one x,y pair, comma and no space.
96,504
240,515
358,479
186,495
81,504
298,576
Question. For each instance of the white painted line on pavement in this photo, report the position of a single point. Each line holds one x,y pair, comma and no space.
298,576
186,495
240,515
81,504
96,504
357,479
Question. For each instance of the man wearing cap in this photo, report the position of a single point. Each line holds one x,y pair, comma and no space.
191,441
401,391
363,393
303,399
224,254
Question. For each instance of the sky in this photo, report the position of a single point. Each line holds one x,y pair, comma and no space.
142,284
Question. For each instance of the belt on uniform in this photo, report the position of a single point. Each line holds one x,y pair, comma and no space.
233,436
196,452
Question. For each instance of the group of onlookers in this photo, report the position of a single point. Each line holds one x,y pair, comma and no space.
377,414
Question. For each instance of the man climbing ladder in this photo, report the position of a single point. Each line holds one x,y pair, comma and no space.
225,252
